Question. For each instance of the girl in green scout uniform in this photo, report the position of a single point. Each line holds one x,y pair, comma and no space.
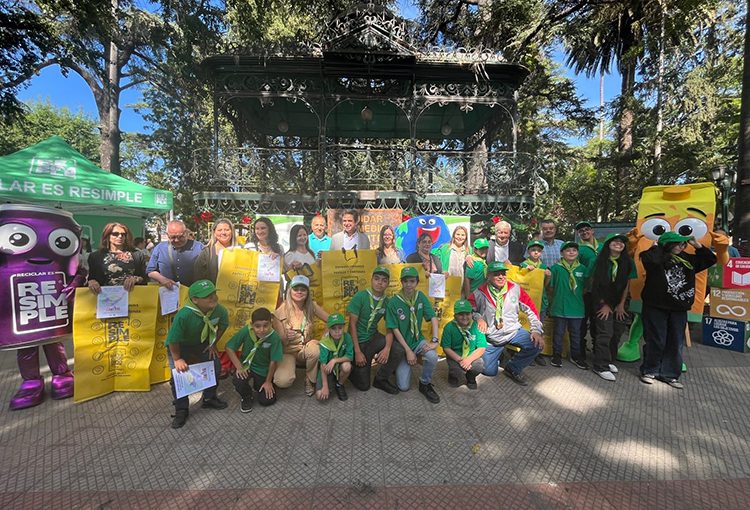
195,330
566,284
336,355
612,271
476,275
261,352
464,346
534,261
403,318
366,309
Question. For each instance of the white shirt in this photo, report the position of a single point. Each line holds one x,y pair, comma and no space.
501,252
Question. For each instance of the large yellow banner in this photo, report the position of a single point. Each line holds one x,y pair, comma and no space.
159,369
240,291
113,354
345,274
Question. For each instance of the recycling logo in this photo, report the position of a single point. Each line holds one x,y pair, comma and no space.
722,337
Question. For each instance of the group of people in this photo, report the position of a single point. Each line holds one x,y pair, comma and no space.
586,290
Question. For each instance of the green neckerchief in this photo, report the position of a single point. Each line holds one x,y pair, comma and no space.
330,344
499,296
682,261
594,246
413,324
614,266
465,332
531,263
256,343
570,268
373,308
209,330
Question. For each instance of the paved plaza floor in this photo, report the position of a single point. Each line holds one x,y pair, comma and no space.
568,441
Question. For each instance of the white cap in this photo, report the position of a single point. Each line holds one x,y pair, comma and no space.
300,280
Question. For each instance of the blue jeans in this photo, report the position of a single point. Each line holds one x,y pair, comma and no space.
521,360
663,337
403,370
573,325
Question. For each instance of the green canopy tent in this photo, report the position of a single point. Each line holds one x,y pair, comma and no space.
53,174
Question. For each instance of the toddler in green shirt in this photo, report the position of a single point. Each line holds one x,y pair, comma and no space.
336,355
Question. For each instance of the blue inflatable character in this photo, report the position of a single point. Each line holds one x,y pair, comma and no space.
409,231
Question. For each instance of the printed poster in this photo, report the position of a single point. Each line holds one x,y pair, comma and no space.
345,274
444,308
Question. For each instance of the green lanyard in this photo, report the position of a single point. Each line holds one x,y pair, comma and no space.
594,246
682,261
533,264
373,308
413,324
613,260
209,330
465,333
499,297
329,344
256,343
572,282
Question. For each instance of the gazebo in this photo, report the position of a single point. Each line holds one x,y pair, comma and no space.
363,118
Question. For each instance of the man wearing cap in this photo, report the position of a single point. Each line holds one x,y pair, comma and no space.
173,262
366,309
195,332
350,238
588,249
498,303
403,318
551,253
502,249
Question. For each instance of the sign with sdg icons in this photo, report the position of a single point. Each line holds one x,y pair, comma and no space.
726,334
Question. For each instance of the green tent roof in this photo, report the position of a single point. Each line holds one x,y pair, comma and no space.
52,171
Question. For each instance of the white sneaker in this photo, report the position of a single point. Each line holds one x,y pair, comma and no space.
613,368
606,375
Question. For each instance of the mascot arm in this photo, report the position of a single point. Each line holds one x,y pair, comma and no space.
634,237
78,281
721,243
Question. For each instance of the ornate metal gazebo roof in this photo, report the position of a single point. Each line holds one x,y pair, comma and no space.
363,118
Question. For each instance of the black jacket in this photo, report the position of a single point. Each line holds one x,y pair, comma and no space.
516,252
670,285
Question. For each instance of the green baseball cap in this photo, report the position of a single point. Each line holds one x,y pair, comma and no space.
334,319
495,267
582,224
201,289
300,279
673,237
409,271
481,243
535,242
382,270
621,237
569,244
462,306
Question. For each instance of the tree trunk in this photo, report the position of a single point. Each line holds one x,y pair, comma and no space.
108,106
742,200
475,175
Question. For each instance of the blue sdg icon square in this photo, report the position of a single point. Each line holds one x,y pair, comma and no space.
726,334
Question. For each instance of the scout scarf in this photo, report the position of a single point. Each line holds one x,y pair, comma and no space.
374,309
613,260
498,296
680,260
412,304
256,343
466,334
330,344
570,268
209,330
531,263
594,246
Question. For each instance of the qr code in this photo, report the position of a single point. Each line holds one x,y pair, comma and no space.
117,333
116,358
246,295
438,311
241,318
349,288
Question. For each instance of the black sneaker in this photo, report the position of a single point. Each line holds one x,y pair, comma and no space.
429,392
341,392
516,378
247,404
180,417
579,362
453,382
539,360
214,403
471,381
556,361
385,385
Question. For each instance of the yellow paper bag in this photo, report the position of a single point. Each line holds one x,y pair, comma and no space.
394,287
345,274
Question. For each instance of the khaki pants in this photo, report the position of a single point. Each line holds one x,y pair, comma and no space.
293,354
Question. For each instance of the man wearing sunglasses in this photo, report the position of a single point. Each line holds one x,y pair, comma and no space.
173,262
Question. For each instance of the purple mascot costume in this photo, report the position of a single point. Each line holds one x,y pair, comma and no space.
38,275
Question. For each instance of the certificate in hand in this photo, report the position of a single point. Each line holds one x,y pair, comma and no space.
197,378
269,270
112,302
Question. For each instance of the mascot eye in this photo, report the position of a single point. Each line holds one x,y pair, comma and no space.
691,227
16,238
422,221
655,227
63,242
432,221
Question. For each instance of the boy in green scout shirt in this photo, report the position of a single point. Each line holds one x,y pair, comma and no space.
261,353
196,329
366,309
464,346
567,285
404,319
534,249
476,276
336,355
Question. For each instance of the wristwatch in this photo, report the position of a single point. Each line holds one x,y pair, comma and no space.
434,339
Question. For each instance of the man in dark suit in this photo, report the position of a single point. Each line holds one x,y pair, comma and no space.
502,249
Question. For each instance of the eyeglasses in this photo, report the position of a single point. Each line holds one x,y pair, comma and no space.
174,238
118,234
